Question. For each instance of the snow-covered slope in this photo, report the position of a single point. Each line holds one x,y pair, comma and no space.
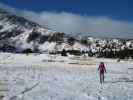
18,34
17,30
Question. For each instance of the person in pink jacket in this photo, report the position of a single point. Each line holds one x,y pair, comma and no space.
101,70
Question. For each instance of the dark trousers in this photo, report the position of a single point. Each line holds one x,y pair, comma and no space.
101,78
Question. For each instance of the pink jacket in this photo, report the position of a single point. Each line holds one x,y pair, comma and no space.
102,68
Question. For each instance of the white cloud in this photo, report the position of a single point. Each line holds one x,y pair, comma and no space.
71,23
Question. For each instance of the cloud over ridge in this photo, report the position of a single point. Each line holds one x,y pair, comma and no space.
72,23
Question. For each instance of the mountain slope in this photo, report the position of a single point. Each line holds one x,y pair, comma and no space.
19,35
20,32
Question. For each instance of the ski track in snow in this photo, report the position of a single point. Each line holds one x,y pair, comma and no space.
45,77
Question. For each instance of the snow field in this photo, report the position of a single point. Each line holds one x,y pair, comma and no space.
45,77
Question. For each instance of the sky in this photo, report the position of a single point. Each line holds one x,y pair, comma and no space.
113,18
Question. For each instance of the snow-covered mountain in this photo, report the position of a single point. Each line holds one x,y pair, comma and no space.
18,34
21,34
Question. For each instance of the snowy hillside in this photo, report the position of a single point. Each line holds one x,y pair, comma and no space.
20,35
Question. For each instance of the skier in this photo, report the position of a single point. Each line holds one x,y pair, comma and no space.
101,70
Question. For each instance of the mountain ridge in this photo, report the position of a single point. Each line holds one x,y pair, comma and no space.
18,34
